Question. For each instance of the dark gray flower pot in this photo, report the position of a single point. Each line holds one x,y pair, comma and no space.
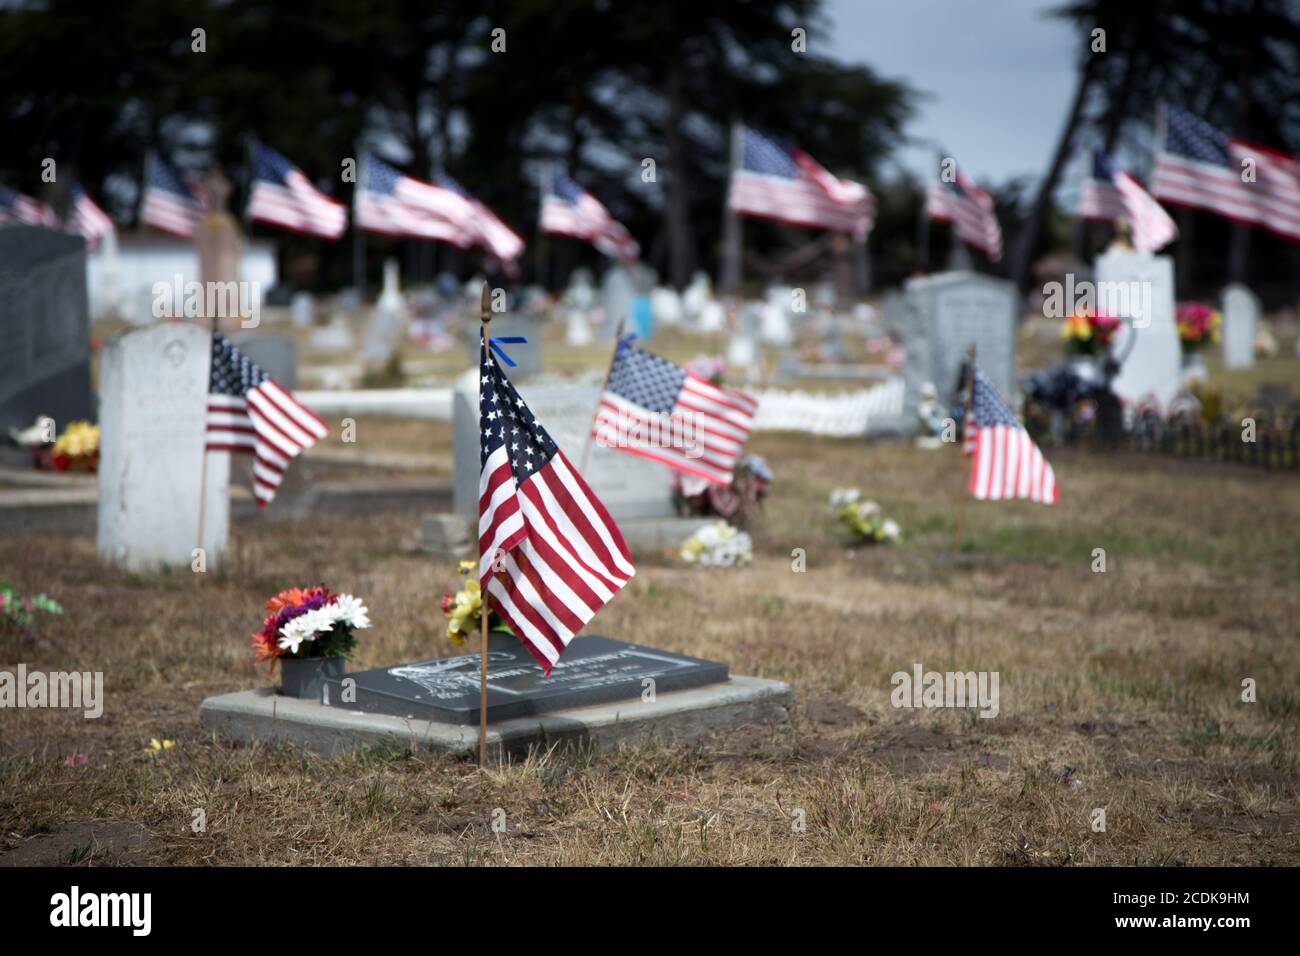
304,676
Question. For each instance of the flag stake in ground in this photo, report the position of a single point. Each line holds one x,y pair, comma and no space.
591,429
485,316
968,387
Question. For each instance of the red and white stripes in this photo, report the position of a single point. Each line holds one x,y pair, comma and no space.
1007,464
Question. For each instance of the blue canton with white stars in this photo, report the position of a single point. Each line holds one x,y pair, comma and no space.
379,176
987,407
764,156
1188,135
645,380
232,373
504,419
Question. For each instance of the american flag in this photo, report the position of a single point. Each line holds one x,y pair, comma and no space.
1152,229
706,424
550,556
569,210
249,412
786,184
1202,167
970,210
283,196
170,202
1098,197
491,233
15,207
389,202
88,219
1006,463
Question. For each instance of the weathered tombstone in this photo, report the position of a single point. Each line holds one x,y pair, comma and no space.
666,305
384,334
276,355
775,326
713,317
302,310
153,412
220,244
335,337
44,328
1140,287
1240,318
617,295
577,330
742,347
636,492
947,313
696,296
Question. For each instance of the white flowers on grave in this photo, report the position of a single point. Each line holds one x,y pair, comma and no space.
314,623
864,521
718,545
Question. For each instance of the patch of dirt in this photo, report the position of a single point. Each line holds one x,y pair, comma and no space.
82,841
915,750
829,712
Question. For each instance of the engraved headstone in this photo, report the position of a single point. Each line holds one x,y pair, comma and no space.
1139,287
593,670
947,313
617,295
1240,318
44,328
153,408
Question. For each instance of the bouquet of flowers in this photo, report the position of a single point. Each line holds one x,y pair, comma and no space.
20,611
718,545
314,622
1198,325
739,502
863,520
464,609
1087,333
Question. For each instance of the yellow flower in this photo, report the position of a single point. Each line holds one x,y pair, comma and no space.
79,439
156,746
466,568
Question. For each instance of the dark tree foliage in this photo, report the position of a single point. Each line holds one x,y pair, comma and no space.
594,86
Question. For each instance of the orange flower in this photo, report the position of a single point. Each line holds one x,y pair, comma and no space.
290,598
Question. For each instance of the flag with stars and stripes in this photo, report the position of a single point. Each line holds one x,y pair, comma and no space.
1005,461
569,210
15,207
657,410
550,556
970,210
1203,167
488,229
283,196
88,219
783,183
391,203
170,202
1112,191
249,412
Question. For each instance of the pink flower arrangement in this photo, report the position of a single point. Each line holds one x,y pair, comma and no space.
1198,325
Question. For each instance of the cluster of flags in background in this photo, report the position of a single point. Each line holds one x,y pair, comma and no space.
569,210
1111,193
970,210
785,184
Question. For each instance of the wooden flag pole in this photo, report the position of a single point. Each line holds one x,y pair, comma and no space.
485,316
586,445
962,492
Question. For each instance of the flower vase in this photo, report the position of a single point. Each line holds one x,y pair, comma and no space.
1194,367
304,677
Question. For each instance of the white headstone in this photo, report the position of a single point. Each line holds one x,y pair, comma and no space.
666,306
1240,318
153,409
713,317
775,327
301,309
697,295
617,291
385,332
946,314
628,486
1140,287
577,330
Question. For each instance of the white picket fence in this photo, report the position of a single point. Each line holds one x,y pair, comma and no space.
822,413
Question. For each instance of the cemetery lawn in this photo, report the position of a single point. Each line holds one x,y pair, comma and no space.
1120,690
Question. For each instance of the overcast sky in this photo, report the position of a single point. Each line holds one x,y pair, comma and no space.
998,73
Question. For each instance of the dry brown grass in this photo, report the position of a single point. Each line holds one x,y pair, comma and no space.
1119,690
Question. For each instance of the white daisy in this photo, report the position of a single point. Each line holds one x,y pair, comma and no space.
351,611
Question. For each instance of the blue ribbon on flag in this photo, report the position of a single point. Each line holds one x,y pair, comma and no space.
500,352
